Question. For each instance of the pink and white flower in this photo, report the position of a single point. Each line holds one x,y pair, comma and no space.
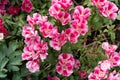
33,66
58,41
63,17
65,65
109,9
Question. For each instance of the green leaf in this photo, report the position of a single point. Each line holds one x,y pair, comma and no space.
2,74
112,34
3,63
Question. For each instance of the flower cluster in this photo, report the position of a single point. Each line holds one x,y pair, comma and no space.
66,64
35,48
103,68
13,10
78,21
106,8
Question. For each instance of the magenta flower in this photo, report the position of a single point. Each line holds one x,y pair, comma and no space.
82,74
52,78
13,10
65,65
27,6
33,66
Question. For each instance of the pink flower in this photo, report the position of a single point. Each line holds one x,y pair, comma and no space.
13,10
114,76
109,10
114,59
79,27
98,3
108,48
77,63
92,76
27,6
46,29
102,74
82,74
1,36
65,65
65,4
36,18
72,35
80,11
105,65
41,49
58,41
52,78
33,66
27,31
63,17
54,10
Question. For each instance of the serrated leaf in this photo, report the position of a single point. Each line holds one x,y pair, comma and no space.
3,63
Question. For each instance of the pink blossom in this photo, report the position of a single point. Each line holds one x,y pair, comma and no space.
63,17
114,76
72,35
27,31
92,76
13,10
82,74
65,4
52,78
109,10
80,28
41,49
46,29
36,18
77,63
108,48
105,65
1,36
32,39
100,73
80,11
98,3
65,65
115,59
58,41
54,10
27,6
33,66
